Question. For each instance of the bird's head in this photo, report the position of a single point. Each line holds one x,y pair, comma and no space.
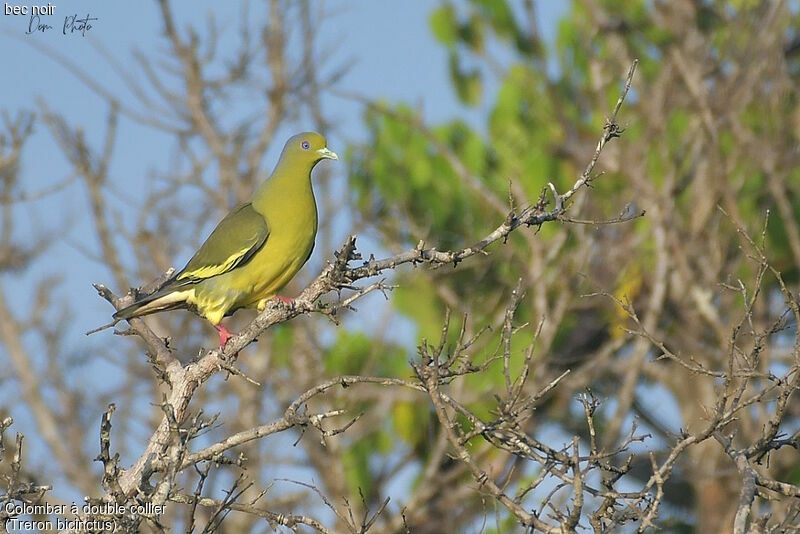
307,148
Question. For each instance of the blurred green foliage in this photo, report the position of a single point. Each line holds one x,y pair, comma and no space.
544,115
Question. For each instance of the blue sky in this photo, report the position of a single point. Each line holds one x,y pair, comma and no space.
408,66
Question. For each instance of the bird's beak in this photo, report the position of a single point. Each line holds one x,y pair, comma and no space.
325,153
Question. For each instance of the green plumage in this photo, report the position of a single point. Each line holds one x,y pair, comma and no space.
256,249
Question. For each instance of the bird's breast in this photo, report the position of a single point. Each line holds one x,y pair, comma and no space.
290,242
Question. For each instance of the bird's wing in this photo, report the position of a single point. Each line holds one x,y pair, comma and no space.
232,243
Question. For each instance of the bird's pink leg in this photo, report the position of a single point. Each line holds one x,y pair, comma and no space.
285,300
224,334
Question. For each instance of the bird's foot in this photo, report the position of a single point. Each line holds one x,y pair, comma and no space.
224,334
285,300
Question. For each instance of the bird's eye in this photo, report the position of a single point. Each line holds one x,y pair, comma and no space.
306,145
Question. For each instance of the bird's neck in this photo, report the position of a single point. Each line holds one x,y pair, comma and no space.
289,182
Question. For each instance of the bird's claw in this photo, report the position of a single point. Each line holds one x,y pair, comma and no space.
286,301
224,334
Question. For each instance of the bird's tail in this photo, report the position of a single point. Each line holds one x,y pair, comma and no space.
165,299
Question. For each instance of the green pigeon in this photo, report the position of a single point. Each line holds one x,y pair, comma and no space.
255,250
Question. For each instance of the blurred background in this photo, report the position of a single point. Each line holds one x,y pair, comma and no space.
123,144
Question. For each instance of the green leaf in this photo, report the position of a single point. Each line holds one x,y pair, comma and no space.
469,87
444,26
